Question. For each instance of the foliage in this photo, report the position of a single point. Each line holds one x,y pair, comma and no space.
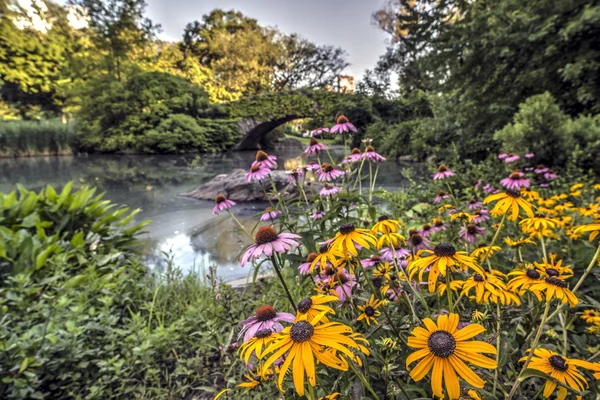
29,138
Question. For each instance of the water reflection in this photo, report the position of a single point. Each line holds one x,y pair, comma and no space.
182,226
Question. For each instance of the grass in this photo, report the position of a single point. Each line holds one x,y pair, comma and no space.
35,138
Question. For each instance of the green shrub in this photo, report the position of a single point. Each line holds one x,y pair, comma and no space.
29,138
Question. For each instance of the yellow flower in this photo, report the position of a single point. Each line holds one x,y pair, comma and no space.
576,186
596,186
253,380
537,224
369,311
461,216
530,194
524,278
447,207
394,240
444,348
555,287
553,268
325,257
589,211
454,285
444,256
594,228
488,288
518,243
349,236
473,395
331,396
389,343
478,316
562,369
386,225
509,201
256,344
482,250
314,305
306,340
590,316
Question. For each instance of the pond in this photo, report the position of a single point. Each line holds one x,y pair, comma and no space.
184,228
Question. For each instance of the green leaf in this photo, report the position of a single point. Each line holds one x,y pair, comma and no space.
75,281
41,258
78,241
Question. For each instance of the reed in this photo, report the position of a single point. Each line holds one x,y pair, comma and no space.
35,138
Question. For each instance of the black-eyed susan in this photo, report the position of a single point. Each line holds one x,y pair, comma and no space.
530,194
473,395
552,267
253,380
461,216
444,349
509,201
562,369
393,239
315,305
590,316
524,278
522,241
538,224
454,285
593,228
256,345
349,236
589,211
369,311
554,287
478,316
325,258
483,249
389,343
489,288
332,396
444,256
304,341
386,225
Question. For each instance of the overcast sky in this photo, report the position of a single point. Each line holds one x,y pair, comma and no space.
342,23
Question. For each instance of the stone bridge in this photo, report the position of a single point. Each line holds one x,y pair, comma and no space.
259,115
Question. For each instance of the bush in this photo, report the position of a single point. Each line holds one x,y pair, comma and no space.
30,138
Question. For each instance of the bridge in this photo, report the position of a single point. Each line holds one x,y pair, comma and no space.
259,115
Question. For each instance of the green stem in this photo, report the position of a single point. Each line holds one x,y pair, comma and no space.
448,290
287,291
543,242
240,225
363,379
563,324
499,333
487,253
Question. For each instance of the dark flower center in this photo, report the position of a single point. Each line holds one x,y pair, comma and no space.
255,168
515,175
556,282
327,167
412,232
426,227
558,363
356,150
369,149
375,258
311,257
342,277
313,141
370,311
441,344
439,222
471,229
383,218
305,305
416,239
323,248
442,168
302,331
513,193
441,193
261,156
329,271
263,333
341,120
473,201
377,281
552,272
220,198
346,229
478,278
532,274
444,250
265,313
265,235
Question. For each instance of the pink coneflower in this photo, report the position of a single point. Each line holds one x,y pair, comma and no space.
511,158
474,204
451,210
371,155
270,214
550,175
257,173
441,196
329,190
489,189
304,268
540,169
264,160
439,225
417,242
342,125
355,156
481,215
529,155
443,173
344,284
393,253
544,185
502,156
312,166
477,184
222,204
318,215
267,242
319,131
515,180
294,174
426,230
266,317
314,147
329,173
470,232
372,261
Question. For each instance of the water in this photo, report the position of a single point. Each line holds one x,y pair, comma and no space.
184,227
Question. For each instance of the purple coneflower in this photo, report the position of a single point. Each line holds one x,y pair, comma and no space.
222,203
544,185
294,174
314,147
257,173
516,180
393,253
470,233
345,282
371,155
480,215
264,160
270,214
529,155
355,156
319,131
426,230
477,184
318,215
441,196
550,175
266,317
342,125
474,204
328,173
540,169
329,190
267,242
443,173
502,156
372,261
489,189
312,166
304,268
417,242
438,225
511,158
451,210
